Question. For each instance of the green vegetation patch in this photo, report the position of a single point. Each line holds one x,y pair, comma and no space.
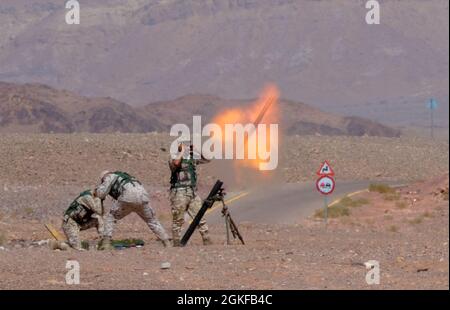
445,195
342,208
2,238
416,220
381,188
353,203
85,244
400,205
333,212
391,196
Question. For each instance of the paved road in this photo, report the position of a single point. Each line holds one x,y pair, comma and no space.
283,203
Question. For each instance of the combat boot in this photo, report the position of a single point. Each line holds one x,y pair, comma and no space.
105,244
206,240
166,243
58,245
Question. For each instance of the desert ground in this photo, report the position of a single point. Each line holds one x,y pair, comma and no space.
399,217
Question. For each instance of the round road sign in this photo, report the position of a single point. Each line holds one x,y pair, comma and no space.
325,185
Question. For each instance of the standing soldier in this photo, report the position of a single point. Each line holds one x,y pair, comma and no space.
129,196
84,212
183,195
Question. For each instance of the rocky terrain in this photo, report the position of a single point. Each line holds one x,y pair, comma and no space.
41,173
404,159
288,257
406,230
319,52
37,108
33,161
295,117
407,235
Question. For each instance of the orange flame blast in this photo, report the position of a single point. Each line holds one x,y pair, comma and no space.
264,111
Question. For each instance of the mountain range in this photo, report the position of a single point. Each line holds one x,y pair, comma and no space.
319,52
36,108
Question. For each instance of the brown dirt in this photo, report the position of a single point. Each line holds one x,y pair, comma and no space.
42,173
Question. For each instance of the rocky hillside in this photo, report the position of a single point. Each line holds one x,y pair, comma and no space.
318,52
296,117
40,109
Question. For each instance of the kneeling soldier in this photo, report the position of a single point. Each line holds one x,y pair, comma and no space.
85,212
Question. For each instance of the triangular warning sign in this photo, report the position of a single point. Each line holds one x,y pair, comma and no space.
325,169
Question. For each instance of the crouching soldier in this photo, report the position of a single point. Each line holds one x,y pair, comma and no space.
84,212
129,196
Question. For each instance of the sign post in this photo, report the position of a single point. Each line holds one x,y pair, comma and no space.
432,105
325,184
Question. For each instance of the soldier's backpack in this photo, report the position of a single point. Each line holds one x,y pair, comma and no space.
122,179
185,175
77,211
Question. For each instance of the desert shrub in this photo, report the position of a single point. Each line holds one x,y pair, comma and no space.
427,214
388,217
2,238
393,228
391,196
445,195
400,205
353,203
29,211
416,220
381,188
333,212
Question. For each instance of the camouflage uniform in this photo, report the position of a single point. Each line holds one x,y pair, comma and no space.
84,212
183,196
129,196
